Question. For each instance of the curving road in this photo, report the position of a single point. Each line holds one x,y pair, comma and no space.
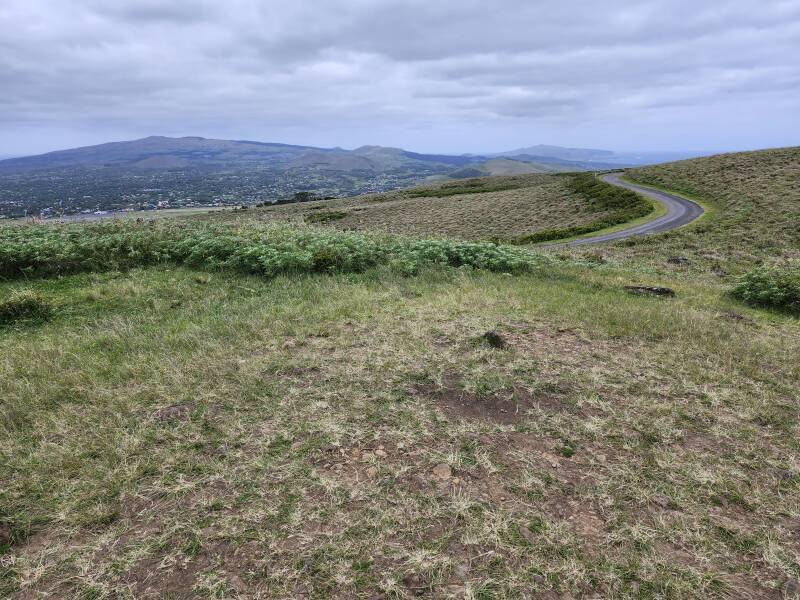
680,211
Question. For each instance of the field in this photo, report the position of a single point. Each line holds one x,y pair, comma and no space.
477,209
223,407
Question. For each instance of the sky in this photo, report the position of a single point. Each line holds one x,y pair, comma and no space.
452,76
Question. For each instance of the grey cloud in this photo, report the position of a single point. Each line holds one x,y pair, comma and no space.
512,71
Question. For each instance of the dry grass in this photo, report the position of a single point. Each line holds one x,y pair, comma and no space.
755,201
493,207
173,433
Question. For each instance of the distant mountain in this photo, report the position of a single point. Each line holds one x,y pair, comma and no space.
157,152
559,152
592,158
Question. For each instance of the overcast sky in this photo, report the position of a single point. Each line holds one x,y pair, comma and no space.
428,75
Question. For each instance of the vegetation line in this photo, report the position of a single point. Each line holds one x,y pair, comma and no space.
42,250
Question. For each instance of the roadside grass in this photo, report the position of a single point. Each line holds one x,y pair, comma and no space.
756,208
176,431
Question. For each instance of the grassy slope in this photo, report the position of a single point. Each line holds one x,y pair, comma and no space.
533,203
756,202
217,435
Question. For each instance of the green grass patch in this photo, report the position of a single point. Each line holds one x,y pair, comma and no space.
771,287
24,306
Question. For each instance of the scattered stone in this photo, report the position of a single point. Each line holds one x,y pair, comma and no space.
737,318
456,591
526,533
680,261
660,500
461,570
494,339
442,471
719,271
791,588
5,534
173,413
380,452
648,290
551,460
237,583
415,583
372,472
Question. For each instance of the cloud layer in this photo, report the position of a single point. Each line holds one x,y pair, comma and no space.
448,75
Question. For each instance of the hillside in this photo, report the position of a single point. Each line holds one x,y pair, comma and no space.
245,405
754,199
475,209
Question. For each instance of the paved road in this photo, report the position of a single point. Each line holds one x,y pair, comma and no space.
679,212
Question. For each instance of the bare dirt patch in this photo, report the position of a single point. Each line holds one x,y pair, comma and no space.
506,407
175,412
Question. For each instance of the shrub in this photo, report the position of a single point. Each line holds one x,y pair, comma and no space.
771,287
267,250
24,305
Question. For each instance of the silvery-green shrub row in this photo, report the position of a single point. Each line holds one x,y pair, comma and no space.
261,249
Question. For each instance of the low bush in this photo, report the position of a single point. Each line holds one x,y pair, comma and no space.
771,287
267,250
24,305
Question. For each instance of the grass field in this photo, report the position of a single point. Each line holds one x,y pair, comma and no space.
496,207
221,408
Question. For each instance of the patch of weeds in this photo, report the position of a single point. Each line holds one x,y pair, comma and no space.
771,287
193,546
325,216
25,306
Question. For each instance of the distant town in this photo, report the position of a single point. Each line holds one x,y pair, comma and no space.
62,193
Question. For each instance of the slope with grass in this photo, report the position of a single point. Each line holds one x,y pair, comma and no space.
529,207
754,202
226,408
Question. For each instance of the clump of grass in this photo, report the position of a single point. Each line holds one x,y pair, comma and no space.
24,306
771,287
256,249
325,216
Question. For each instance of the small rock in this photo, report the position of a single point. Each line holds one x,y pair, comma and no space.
526,533
237,583
494,339
170,413
681,261
791,588
380,452
442,471
372,472
649,290
415,583
660,500
455,591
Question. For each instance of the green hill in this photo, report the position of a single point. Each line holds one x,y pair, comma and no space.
754,199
